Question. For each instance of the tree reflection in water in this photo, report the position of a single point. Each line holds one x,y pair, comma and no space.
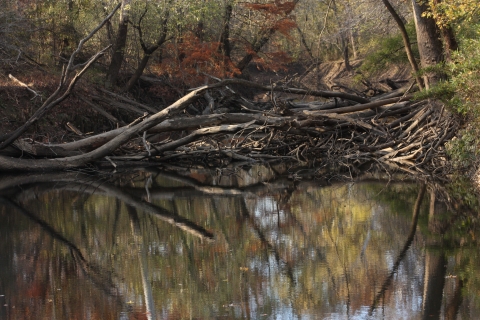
233,243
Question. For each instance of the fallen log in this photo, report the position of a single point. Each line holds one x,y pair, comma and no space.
360,107
8,163
392,131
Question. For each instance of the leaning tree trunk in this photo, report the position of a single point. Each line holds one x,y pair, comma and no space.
119,45
406,41
429,43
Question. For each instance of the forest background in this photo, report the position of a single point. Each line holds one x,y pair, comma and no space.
155,51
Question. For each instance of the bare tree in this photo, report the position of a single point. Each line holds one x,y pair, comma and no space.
65,85
148,50
119,45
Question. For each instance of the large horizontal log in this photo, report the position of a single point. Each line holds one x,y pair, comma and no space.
8,163
90,143
187,139
314,93
360,107
169,125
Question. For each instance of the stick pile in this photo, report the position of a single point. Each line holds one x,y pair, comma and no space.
215,125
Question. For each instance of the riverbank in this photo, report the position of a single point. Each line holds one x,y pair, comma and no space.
80,117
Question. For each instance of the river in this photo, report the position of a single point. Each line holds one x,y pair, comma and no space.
240,243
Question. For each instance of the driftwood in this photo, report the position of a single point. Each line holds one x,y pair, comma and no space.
215,125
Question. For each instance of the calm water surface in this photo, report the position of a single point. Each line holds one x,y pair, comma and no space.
231,244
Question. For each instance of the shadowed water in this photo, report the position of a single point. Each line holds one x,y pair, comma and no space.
231,244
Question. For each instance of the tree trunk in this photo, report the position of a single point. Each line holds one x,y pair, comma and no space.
138,72
449,42
304,42
406,41
346,58
429,43
257,46
225,36
109,26
119,45
353,37
148,51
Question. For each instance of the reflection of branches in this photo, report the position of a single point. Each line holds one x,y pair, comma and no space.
344,268
252,189
401,255
115,222
441,195
193,270
220,221
142,257
99,277
266,243
451,309
159,212
320,255
89,185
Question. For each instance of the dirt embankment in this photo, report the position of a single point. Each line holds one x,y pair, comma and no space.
331,75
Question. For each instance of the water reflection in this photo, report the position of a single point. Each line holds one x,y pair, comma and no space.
231,243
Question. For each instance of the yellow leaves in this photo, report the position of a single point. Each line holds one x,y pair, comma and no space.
451,11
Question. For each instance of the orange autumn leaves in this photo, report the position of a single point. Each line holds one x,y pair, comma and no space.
192,58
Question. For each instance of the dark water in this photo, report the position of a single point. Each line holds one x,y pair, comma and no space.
198,244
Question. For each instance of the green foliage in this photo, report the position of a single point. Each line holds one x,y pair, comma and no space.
464,149
462,191
465,71
442,90
461,93
386,52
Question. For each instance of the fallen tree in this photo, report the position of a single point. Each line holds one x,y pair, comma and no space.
214,124
394,131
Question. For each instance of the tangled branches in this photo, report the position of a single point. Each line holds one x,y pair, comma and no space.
215,125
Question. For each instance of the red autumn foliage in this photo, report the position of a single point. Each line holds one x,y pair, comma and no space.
191,59
284,26
274,61
274,8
